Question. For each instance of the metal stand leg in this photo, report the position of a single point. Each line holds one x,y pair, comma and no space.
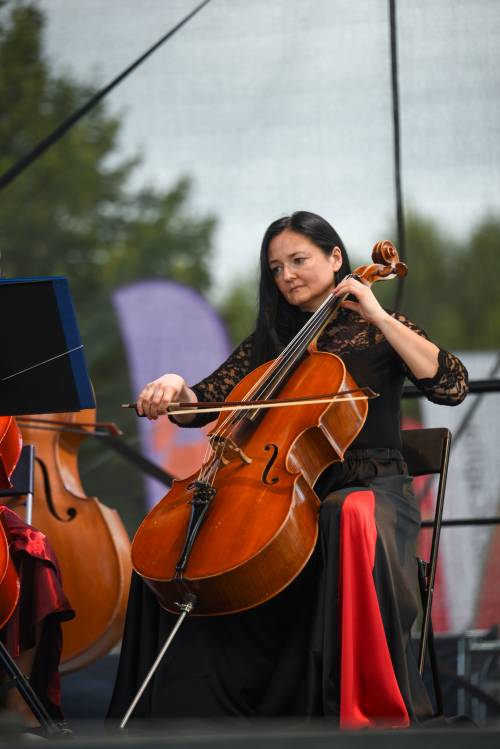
28,514
23,481
427,636
435,673
27,693
185,608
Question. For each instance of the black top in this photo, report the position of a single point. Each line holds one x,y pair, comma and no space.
371,361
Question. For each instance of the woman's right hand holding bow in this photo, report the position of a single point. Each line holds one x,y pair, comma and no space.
157,395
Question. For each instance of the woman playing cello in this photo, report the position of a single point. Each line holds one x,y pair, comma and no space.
336,641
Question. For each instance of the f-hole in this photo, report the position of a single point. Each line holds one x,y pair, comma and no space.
70,512
270,463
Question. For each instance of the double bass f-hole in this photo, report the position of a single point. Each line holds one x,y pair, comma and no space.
70,511
269,465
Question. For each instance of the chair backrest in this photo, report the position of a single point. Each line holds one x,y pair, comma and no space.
426,450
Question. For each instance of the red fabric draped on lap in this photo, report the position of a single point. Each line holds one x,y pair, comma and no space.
370,695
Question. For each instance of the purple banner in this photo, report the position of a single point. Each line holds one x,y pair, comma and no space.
168,327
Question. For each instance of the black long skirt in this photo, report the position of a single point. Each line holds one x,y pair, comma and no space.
335,643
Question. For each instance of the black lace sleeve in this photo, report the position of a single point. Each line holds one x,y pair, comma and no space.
218,385
450,384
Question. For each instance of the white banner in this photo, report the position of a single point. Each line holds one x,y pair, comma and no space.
468,555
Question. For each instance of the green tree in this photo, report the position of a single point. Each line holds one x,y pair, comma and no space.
238,309
71,213
477,287
451,289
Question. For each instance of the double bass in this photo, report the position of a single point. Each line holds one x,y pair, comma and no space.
237,533
89,539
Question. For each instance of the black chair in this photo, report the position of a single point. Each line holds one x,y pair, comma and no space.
427,452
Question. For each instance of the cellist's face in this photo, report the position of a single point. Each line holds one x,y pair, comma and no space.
302,272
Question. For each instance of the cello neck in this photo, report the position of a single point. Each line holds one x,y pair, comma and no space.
295,351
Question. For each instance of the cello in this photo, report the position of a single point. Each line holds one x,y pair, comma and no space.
89,539
11,443
237,533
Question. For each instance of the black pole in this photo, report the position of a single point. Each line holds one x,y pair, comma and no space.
49,727
401,232
24,162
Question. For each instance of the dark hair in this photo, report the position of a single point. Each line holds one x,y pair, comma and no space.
277,320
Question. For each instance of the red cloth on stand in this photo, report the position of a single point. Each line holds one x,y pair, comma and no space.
42,602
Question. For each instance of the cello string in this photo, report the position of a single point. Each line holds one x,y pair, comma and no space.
230,419
329,306
213,467
293,348
285,361
288,357
233,417
297,346
270,380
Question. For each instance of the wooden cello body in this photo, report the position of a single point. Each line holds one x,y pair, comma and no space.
11,443
261,527
89,539
242,529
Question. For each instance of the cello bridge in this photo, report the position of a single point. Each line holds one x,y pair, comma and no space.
225,445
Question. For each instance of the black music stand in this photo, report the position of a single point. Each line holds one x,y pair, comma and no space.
42,366
42,370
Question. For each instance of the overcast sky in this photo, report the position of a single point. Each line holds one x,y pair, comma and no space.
277,105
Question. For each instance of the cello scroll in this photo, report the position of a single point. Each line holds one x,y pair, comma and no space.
385,266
